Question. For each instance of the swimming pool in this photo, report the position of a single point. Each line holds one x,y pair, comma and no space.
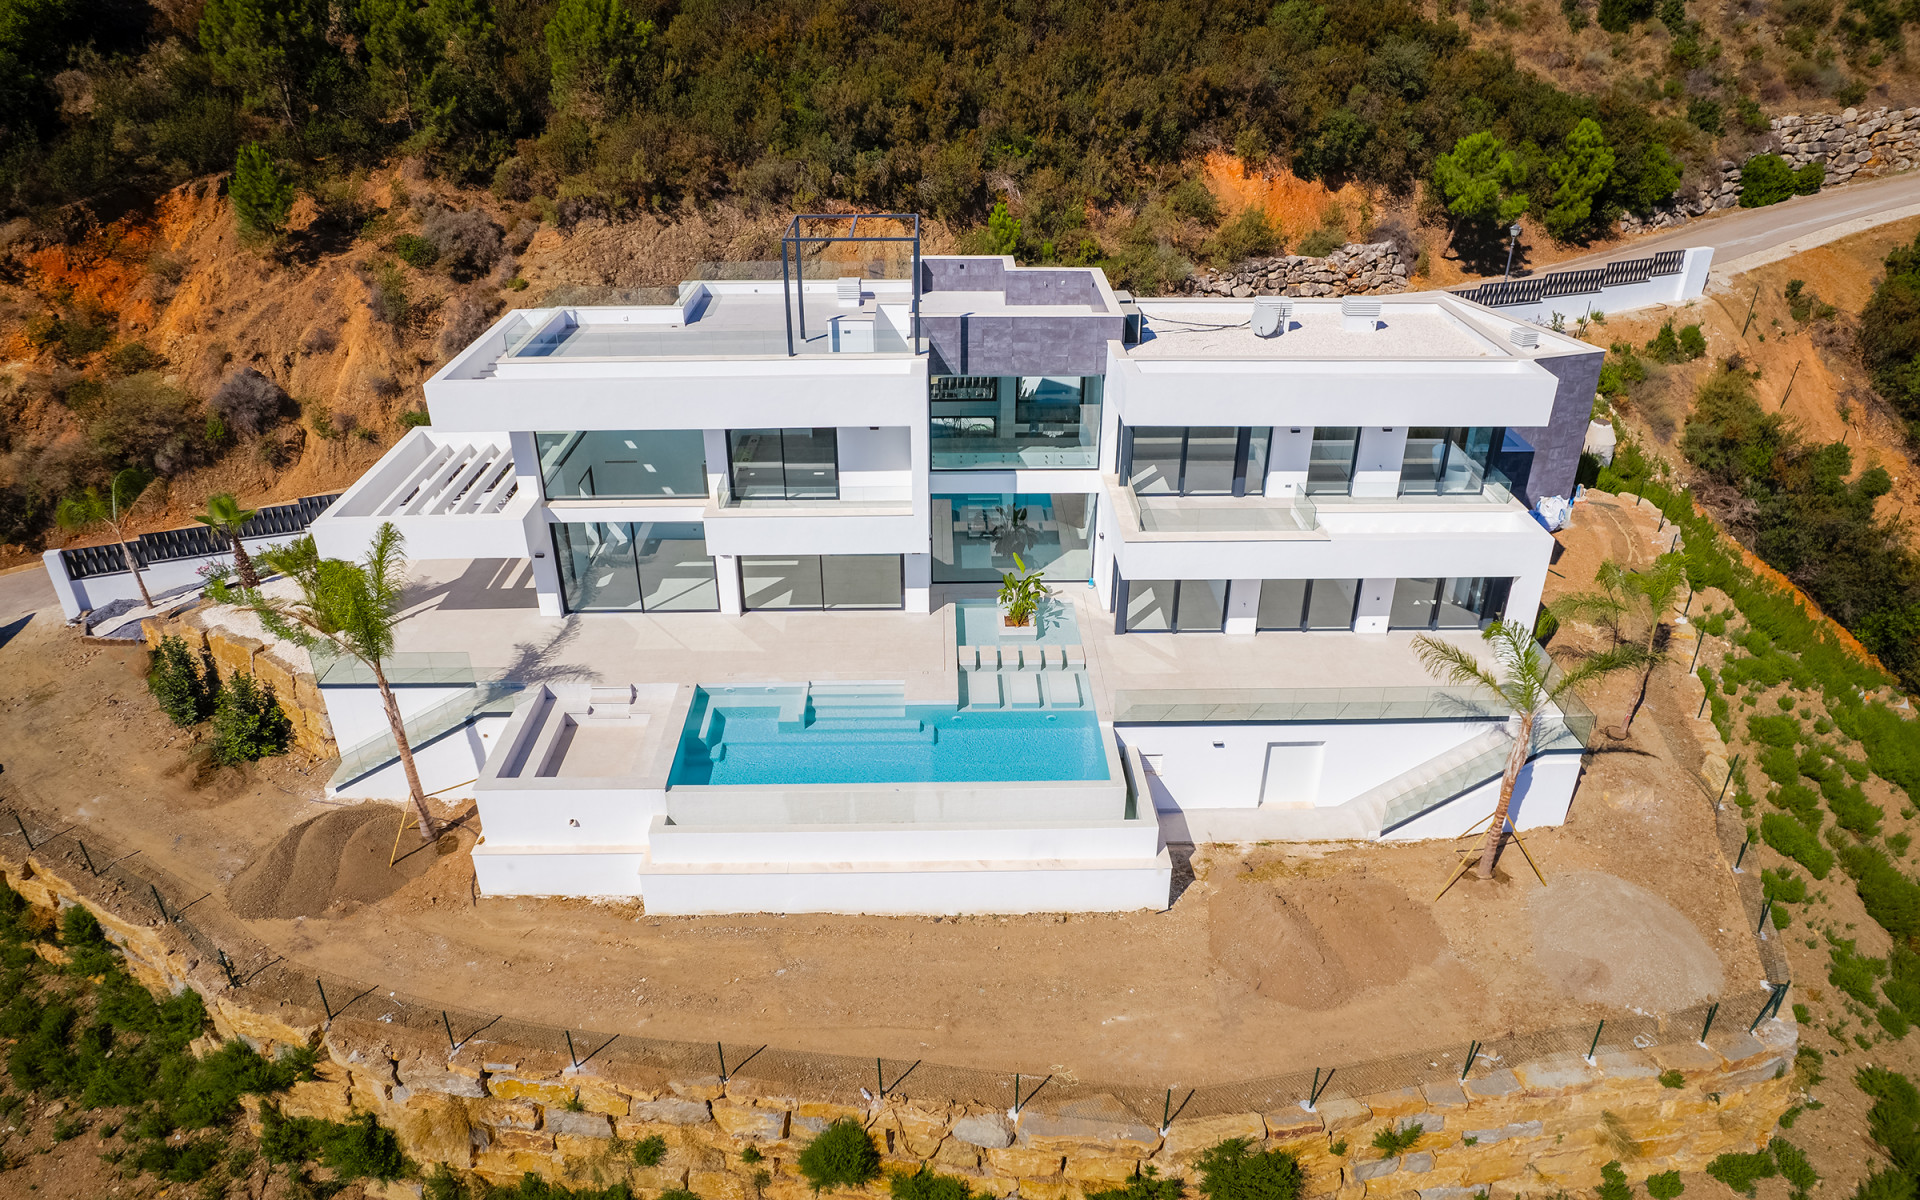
867,733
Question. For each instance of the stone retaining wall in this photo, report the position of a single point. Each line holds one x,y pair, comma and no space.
295,687
502,1110
1354,268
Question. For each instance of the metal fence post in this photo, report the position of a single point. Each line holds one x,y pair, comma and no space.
1766,908
1595,1044
1473,1052
1711,1014
324,1006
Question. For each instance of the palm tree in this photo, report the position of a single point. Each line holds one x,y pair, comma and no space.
1602,607
225,515
1657,586
90,508
346,607
1527,685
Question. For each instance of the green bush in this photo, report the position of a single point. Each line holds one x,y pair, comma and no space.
649,1151
1797,842
1767,179
1778,763
1665,1186
1147,1185
355,1149
1248,235
1672,1079
1774,731
414,418
927,1184
1391,1141
1664,346
1693,343
1800,800
1890,897
248,723
1783,885
415,251
1894,1119
1741,1171
1232,1170
1613,1183
185,692
843,1155
1854,973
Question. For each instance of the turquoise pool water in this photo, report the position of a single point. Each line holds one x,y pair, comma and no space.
783,734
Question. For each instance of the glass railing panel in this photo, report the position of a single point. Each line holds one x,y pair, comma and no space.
494,698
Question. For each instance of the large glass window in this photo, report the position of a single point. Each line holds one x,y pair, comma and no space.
1197,460
784,464
1330,462
1307,603
1015,421
822,581
649,566
976,536
623,463
1446,461
1178,605
1462,603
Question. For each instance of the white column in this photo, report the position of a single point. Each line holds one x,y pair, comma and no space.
1376,472
715,445
1243,606
1376,602
1287,461
919,581
726,570
546,572
70,604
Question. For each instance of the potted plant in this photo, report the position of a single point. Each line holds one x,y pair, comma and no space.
1020,595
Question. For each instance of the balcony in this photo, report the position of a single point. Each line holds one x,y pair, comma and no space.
1211,518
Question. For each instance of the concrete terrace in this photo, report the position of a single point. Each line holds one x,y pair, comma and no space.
486,609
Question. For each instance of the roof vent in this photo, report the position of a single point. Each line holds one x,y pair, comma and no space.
1271,315
848,289
1523,337
1358,314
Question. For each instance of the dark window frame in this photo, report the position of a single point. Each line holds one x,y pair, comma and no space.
1244,484
900,561
1306,606
786,483
561,557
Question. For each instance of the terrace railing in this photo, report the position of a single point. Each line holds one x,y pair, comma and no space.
193,541
1591,281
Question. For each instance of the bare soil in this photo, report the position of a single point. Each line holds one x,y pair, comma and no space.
1272,956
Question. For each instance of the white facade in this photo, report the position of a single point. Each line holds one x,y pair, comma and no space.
1314,497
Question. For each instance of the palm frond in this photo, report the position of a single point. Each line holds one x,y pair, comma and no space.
1454,664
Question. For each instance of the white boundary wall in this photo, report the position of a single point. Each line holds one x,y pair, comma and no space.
98,591
1689,284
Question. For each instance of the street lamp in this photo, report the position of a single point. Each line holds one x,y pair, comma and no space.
1513,236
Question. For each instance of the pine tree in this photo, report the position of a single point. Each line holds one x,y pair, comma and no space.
594,47
1578,174
262,196
1478,179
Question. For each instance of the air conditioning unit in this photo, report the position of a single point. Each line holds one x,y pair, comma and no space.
1523,337
1271,315
1359,314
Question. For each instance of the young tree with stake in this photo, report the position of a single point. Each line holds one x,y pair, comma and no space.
92,508
349,608
225,515
1524,680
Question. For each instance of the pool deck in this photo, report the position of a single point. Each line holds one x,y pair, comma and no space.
487,609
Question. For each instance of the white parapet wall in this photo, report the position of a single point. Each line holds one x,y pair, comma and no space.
1687,284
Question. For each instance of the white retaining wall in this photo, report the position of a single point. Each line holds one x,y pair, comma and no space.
98,591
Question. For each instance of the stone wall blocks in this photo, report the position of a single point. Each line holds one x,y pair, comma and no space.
671,1112
1187,1140
716,1185
1285,1124
1342,1112
957,1154
1626,1064
1378,1168
1499,1084
1025,1162
1044,1189
508,1087
507,1166
1689,1058
505,1114
661,1178
701,1087
525,1140
1397,1103
318,1099
988,1131
1102,1171
751,1123
577,1124
1739,1080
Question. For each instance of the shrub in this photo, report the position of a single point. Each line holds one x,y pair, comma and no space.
1672,1079
1693,343
356,1149
1797,842
248,401
415,251
1613,1183
1741,1171
1894,1119
1794,1167
1767,179
414,418
1145,1186
1231,1170
649,1151
1665,1186
1783,885
131,358
248,723
1779,763
388,296
1774,731
1890,897
262,196
1391,1141
927,1184
843,1155
185,692
1247,235
1800,800
465,243
1193,199
1664,346
1854,973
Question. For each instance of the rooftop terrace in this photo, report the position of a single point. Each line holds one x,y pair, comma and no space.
1417,326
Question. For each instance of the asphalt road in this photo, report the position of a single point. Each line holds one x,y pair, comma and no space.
25,595
1736,233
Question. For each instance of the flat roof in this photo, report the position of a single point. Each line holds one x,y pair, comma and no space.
1418,326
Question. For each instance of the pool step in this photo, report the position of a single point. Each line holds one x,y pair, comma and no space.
1023,690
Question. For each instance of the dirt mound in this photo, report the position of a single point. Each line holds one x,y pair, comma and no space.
334,858
1602,939
1313,943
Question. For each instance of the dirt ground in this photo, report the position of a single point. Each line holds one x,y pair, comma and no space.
1271,956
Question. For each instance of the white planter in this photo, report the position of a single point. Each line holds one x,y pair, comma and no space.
1014,633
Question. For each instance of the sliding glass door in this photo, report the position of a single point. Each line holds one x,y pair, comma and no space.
1307,603
1446,460
1176,605
770,581
1198,460
1461,603
784,464
647,566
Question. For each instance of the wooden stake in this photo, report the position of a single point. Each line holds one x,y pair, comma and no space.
406,822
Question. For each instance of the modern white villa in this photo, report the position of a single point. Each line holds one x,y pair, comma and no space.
706,585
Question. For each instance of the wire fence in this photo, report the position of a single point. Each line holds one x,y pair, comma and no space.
260,979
